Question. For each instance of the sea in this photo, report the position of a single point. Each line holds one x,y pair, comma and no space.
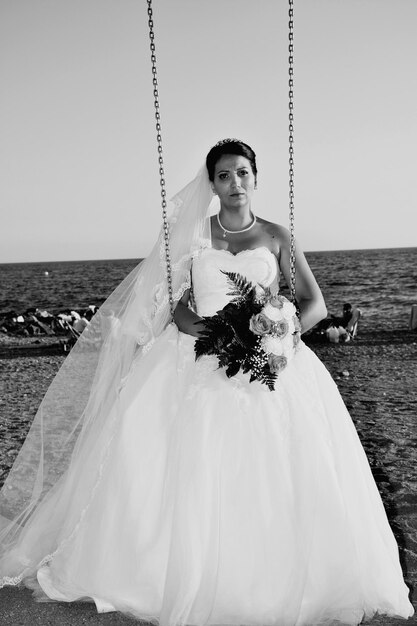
381,282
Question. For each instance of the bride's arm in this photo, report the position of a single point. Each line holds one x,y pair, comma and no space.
308,293
185,318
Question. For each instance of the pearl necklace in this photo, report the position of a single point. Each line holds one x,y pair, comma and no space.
235,232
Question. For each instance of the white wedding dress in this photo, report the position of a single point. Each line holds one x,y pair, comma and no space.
220,502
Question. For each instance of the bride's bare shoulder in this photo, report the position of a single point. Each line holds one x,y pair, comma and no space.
277,234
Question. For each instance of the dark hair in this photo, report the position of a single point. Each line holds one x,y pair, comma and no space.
230,146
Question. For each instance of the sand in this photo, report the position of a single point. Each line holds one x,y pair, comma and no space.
377,377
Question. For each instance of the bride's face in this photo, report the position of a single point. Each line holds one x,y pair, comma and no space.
234,181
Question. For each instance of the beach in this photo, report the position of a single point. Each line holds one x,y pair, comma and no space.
376,375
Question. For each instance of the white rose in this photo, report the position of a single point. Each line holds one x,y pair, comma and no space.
272,345
291,326
288,310
273,313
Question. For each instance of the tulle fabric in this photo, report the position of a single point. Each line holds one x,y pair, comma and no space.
80,404
207,500
222,503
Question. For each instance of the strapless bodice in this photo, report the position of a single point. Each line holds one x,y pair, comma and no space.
210,285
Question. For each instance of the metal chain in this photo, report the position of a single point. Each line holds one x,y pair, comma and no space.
291,142
160,158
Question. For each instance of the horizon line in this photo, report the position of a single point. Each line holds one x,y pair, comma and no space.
139,258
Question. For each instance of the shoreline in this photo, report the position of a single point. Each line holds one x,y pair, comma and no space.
14,347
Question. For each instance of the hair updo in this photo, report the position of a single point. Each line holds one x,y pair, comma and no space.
230,146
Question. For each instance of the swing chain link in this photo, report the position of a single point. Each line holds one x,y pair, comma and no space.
160,158
291,143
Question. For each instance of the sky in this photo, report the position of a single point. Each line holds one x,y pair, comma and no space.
78,158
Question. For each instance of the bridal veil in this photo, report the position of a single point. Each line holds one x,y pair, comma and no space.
79,406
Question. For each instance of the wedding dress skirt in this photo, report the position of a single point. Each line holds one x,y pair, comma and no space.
219,501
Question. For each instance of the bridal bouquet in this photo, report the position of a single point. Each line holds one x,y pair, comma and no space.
257,332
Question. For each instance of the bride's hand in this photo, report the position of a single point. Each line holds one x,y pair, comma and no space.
188,321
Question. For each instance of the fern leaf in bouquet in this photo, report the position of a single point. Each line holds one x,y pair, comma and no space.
217,334
242,289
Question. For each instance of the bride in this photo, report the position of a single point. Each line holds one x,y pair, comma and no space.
150,483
